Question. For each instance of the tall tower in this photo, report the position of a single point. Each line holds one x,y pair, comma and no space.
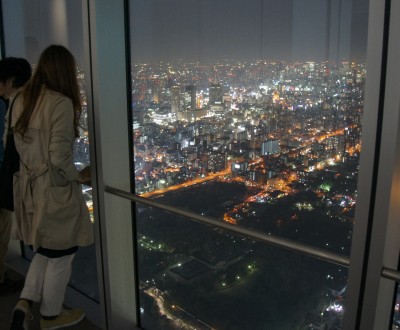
175,99
191,96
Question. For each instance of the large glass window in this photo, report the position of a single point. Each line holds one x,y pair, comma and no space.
248,112
40,24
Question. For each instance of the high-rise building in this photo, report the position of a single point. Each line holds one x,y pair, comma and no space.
190,97
270,147
175,99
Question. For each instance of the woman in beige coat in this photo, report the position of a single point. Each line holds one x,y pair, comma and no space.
50,211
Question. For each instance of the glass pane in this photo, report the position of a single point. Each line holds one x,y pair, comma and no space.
250,112
196,277
265,114
56,22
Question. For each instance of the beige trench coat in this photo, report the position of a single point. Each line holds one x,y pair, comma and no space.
49,140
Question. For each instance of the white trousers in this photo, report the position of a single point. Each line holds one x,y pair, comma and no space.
46,281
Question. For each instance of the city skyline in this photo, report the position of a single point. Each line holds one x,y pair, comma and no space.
269,146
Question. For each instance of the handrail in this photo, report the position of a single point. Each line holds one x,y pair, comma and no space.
391,274
268,239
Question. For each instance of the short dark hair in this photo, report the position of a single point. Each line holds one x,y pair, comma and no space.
15,68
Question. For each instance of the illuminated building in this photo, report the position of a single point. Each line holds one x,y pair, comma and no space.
270,147
175,99
190,98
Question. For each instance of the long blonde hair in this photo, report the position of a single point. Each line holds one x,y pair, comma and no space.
55,71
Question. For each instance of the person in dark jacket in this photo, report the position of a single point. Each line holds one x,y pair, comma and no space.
14,73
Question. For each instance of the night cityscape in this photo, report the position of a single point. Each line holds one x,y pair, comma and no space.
246,112
270,146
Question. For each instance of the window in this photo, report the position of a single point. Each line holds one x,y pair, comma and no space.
248,112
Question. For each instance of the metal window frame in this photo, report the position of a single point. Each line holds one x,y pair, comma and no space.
369,162
385,241
110,95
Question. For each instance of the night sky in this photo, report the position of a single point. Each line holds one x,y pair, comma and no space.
206,30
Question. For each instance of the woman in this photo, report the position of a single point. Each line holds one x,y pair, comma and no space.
51,214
